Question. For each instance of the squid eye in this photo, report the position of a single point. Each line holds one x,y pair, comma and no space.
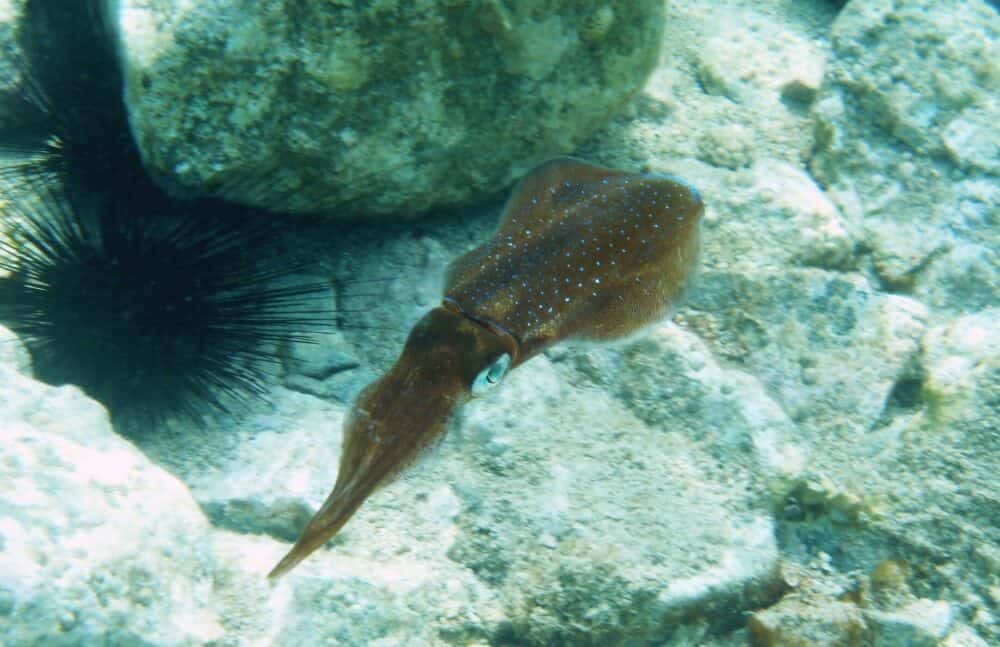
491,375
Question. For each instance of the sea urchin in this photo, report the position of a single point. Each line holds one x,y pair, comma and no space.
155,306
154,310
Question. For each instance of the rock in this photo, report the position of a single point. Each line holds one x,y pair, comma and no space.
325,367
926,472
972,140
11,66
668,378
902,90
508,515
100,546
922,623
322,359
810,619
387,108
962,363
905,143
267,476
823,609
730,147
963,637
803,620
383,601
827,346
340,387
757,52
808,225
966,276
97,544
599,520
740,92
13,353
900,252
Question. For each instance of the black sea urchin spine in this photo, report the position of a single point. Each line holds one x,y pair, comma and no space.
152,312
73,121
154,306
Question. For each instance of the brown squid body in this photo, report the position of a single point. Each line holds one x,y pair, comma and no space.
581,251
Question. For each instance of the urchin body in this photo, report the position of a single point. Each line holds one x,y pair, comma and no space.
152,312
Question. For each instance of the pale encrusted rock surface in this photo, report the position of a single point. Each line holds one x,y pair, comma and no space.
906,142
837,273
598,519
386,107
97,544
557,511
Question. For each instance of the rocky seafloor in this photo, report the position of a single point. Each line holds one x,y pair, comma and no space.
807,452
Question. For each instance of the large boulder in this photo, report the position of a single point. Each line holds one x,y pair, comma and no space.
379,107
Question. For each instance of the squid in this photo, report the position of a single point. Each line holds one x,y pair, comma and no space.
581,251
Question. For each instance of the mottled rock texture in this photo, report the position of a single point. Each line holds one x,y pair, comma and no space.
97,544
364,108
571,514
907,143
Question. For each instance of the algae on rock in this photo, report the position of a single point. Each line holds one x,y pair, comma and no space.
388,107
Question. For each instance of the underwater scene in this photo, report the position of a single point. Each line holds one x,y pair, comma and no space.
503,323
